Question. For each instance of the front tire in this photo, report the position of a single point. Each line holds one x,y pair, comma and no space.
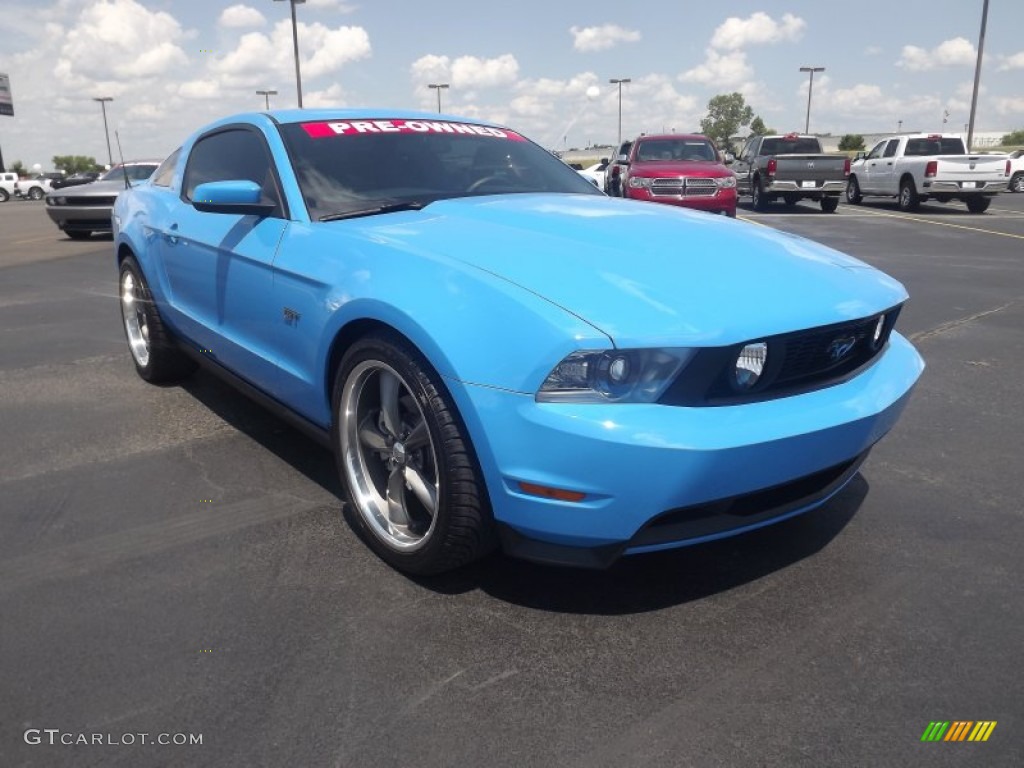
4,196
908,199
1017,182
36,193
156,357
978,204
411,477
830,203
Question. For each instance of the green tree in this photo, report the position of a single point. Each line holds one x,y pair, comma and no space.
17,167
758,127
851,142
75,163
1013,139
727,113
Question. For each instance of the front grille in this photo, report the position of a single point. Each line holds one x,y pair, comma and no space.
800,361
700,187
683,186
92,200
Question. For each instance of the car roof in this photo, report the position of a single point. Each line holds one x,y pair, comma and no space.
687,136
363,113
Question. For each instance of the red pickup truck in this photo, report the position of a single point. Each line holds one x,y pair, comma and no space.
680,169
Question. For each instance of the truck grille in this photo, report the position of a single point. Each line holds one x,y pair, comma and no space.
683,187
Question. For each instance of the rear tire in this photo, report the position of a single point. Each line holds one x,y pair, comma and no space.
36,193
853,195
411,478
154,352
1017,182
908,200
758,200
978,204
830,203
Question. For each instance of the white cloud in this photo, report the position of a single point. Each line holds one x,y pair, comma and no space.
119,40
241,16
1016,61
759,28
872,50
957,52
329,97
200,89
471,72
1010,106
465,72
720,69
332,5
602,37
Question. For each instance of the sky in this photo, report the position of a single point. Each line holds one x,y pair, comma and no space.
542,68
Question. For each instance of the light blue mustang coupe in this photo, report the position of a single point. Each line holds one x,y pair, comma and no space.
498,353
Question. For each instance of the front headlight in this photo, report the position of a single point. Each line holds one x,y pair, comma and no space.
639,181
726,182
614,375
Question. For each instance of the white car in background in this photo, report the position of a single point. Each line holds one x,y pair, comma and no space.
595,173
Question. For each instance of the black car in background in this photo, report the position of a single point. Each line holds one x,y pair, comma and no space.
85,177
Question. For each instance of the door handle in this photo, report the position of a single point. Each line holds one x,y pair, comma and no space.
171,237
889,163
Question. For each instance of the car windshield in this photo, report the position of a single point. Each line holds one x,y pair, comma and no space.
135,172
379,166
676,150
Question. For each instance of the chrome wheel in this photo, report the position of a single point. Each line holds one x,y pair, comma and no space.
133,310
389,458
1017,183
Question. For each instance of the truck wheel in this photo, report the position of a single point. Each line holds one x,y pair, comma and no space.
978,204
4,196
829,204
758,201
908,201
853,195
1017,182
36,193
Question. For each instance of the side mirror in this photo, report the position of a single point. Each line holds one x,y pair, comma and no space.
728,158
622,159
859,156
238,196
604,161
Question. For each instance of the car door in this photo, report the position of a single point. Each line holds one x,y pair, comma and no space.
869,181
886,180
218,266
741,167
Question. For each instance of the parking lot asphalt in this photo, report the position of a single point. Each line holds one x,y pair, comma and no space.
173,560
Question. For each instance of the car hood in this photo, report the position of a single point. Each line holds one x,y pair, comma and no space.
646,274
654,168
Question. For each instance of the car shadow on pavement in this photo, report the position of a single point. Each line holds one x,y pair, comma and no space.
634,584
653,581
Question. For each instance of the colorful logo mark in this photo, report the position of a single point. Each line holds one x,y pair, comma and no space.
958,730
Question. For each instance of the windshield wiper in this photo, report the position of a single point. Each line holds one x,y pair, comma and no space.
409,205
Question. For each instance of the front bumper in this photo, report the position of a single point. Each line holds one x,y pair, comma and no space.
650,472
91,218
723,201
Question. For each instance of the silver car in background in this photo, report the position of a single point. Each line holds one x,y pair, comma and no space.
79,211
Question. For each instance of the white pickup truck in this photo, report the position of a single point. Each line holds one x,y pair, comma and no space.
918,167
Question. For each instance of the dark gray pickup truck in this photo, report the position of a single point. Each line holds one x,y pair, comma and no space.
791,167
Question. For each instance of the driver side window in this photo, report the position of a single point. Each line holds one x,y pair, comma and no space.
876,151
232,154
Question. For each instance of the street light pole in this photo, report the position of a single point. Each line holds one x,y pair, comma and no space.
267,95
106,131
619,82
810,90
295,43
438,87
977,74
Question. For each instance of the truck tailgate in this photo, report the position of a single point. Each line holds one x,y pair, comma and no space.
809,167
970,168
